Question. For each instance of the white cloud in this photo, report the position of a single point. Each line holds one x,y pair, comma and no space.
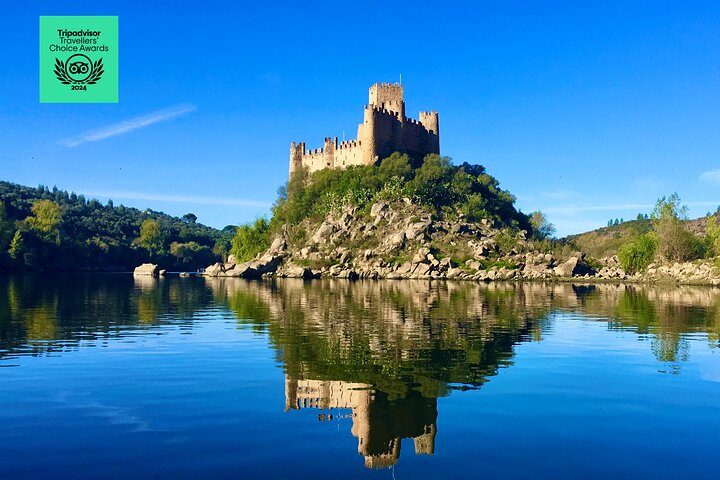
561,195
126,126
711,176
189,199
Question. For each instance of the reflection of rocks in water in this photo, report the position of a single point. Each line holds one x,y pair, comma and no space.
408,315
379,423
146,282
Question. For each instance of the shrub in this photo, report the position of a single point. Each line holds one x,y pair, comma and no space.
250,240
636,255
506,241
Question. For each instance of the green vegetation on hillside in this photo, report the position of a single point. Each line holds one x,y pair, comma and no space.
446,189
449,189
250,240
51,229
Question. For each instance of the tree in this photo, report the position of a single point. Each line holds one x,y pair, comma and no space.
675,242
250,240
7,229
190,218
542,228
17,246
432,181
191,253
396,165
151,237
222,248
46,220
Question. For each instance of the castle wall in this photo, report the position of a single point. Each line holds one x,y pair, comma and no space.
349,153
385,129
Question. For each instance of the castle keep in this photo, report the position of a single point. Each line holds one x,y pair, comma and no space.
385,129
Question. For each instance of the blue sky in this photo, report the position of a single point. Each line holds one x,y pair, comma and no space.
587,112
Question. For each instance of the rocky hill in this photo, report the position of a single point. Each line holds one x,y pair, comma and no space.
397,240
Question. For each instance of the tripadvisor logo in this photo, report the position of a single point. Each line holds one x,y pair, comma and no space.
79,59
78,71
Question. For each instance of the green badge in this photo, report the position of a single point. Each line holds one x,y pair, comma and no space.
78,59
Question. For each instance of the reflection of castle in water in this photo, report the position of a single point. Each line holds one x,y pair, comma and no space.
378,422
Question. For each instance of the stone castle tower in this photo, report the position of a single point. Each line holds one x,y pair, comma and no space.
385,129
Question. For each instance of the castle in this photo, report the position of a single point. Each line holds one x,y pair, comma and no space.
385,129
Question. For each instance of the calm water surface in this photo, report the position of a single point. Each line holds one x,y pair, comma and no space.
106,376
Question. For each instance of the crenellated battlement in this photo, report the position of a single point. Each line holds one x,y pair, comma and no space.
385,129
349,144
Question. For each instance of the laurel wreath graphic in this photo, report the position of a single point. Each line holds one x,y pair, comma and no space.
95,74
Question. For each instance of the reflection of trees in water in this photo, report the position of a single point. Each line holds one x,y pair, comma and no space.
397,336
54,312
410,322
668,315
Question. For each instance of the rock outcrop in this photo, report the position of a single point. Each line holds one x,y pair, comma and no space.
147,269
262,265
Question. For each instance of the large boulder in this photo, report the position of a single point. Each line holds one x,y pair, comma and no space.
421,255
417,230
268,263
239,270
147,269
454,272
397,240
566,269
298,271
278,245
574,266
323,233
378,208
214,270
422,269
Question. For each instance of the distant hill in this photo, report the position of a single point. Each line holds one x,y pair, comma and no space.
605,241
51,229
